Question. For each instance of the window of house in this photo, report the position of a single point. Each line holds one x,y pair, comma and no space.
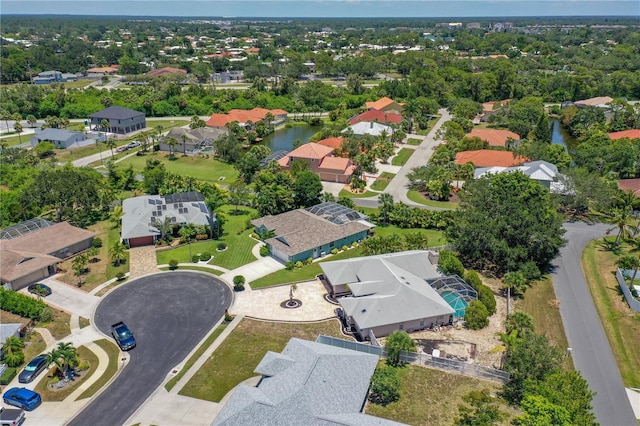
401,327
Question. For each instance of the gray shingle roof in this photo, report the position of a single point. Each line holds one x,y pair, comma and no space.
313,384
299,230
140,211
388,289
116,113
54,134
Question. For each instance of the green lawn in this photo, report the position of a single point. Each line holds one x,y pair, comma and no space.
429,396
113,352
201,168
237,357
382,181
402,157
239,244
15,140
196,355
349,194
166,124
414,141
621,324
416,197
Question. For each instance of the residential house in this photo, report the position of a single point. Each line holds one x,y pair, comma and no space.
377,115
7,330
395,291
59,137
334,143
372,128
630,184
489,158
321,161
312,232
631,134
308,383
542,171
48,77
495,137
121,120
100,71
191,141
144,214
166,70
387,105
245,116
599,102
30,250
490,108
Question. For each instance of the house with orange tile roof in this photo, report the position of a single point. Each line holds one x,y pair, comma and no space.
377,115
631,134
321,161
243,116
387,105
335,143
490,108
495,137
630,184
252,51
489,158
166,70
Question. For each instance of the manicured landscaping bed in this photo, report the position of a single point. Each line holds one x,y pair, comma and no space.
195,268
49,395
237,357
349,194
416,197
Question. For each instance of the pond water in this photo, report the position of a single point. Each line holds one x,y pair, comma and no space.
283,139
560,135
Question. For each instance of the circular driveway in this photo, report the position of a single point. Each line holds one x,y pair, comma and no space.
168,314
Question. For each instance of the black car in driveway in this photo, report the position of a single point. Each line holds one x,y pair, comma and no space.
39,289
35,367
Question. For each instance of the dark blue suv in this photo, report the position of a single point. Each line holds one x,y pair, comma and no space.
124,337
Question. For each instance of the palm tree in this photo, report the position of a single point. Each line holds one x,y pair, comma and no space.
516,281
183,137
111,143
55,357
292,289
6,116
385,201
12,348
18,128
164,226
172,142
104,125
634,247
31,120
117,252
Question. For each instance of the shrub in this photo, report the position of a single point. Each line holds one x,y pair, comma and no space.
531,271
8,375
120,276
238,283
487,298
289,266
20,304
385,386
334,251
173,264
449,264
195,258
309,261
83,365
473,279
476,315
221,246
46,314
205,256
227,316
97,242
299,265
264,251
345,247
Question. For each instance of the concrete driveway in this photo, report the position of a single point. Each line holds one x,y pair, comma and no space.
69,298
591,352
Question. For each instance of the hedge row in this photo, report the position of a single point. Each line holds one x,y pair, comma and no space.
21,304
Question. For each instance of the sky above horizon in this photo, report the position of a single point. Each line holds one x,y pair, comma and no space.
325,8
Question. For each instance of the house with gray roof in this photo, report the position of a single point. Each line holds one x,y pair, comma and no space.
312,232
143,215
192,141
542,171
9,330
389,292
121,120
59,137
309,384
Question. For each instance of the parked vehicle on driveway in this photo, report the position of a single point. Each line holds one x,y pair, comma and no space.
123,336
35,367
11,416
23,398
39,289
133,144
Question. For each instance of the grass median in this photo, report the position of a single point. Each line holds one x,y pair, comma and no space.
401,158
112,367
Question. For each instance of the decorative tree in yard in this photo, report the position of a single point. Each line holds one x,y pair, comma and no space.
397,342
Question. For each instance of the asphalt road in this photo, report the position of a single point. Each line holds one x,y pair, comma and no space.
168,314
591,352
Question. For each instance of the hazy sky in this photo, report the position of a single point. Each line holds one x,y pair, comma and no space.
325,8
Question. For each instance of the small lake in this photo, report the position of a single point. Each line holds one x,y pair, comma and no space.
560,135
283,139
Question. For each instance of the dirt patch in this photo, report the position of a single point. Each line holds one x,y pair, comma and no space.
460,351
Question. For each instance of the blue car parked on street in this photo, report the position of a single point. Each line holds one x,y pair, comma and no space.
24,398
